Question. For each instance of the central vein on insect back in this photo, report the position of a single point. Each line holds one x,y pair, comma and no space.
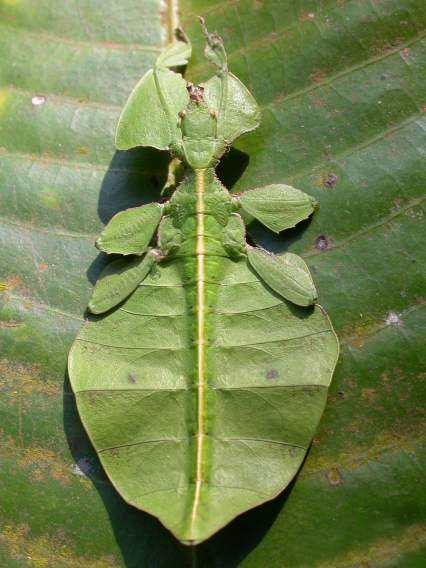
200,254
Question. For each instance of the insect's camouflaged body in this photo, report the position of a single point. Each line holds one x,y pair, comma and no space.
202,386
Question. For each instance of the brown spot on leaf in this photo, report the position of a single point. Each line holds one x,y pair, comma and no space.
131,378
322,242
321,103
43,266
306,16
368,394
9,324
318,75
334,477
271,374
330,180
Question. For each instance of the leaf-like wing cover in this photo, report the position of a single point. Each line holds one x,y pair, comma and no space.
151,114
117,281
286,274
150,117
269,367
130,231
278,206
236,109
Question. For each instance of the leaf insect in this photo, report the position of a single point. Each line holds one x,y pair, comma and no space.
203,378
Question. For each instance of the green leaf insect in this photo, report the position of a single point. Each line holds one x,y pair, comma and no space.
203,379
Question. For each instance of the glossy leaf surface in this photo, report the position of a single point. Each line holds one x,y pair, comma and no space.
364,473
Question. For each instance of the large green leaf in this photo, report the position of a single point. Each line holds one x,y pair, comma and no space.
342,88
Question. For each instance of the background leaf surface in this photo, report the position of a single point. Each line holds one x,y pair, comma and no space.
342,89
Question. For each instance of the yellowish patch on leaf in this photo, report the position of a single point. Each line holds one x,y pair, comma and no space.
381,551
25,380
45,551
353,457
4,97
50,199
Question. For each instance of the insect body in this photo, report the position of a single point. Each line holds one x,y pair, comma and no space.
202,384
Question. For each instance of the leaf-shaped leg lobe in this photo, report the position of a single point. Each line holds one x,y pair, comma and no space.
278,206
130,231
286,274
118,280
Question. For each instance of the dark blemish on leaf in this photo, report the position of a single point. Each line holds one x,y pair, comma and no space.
272,374
38,100
93,399
293,452
131,379
341,394
322,242
334,477
331,180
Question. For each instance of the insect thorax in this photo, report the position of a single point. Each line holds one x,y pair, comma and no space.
201,146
